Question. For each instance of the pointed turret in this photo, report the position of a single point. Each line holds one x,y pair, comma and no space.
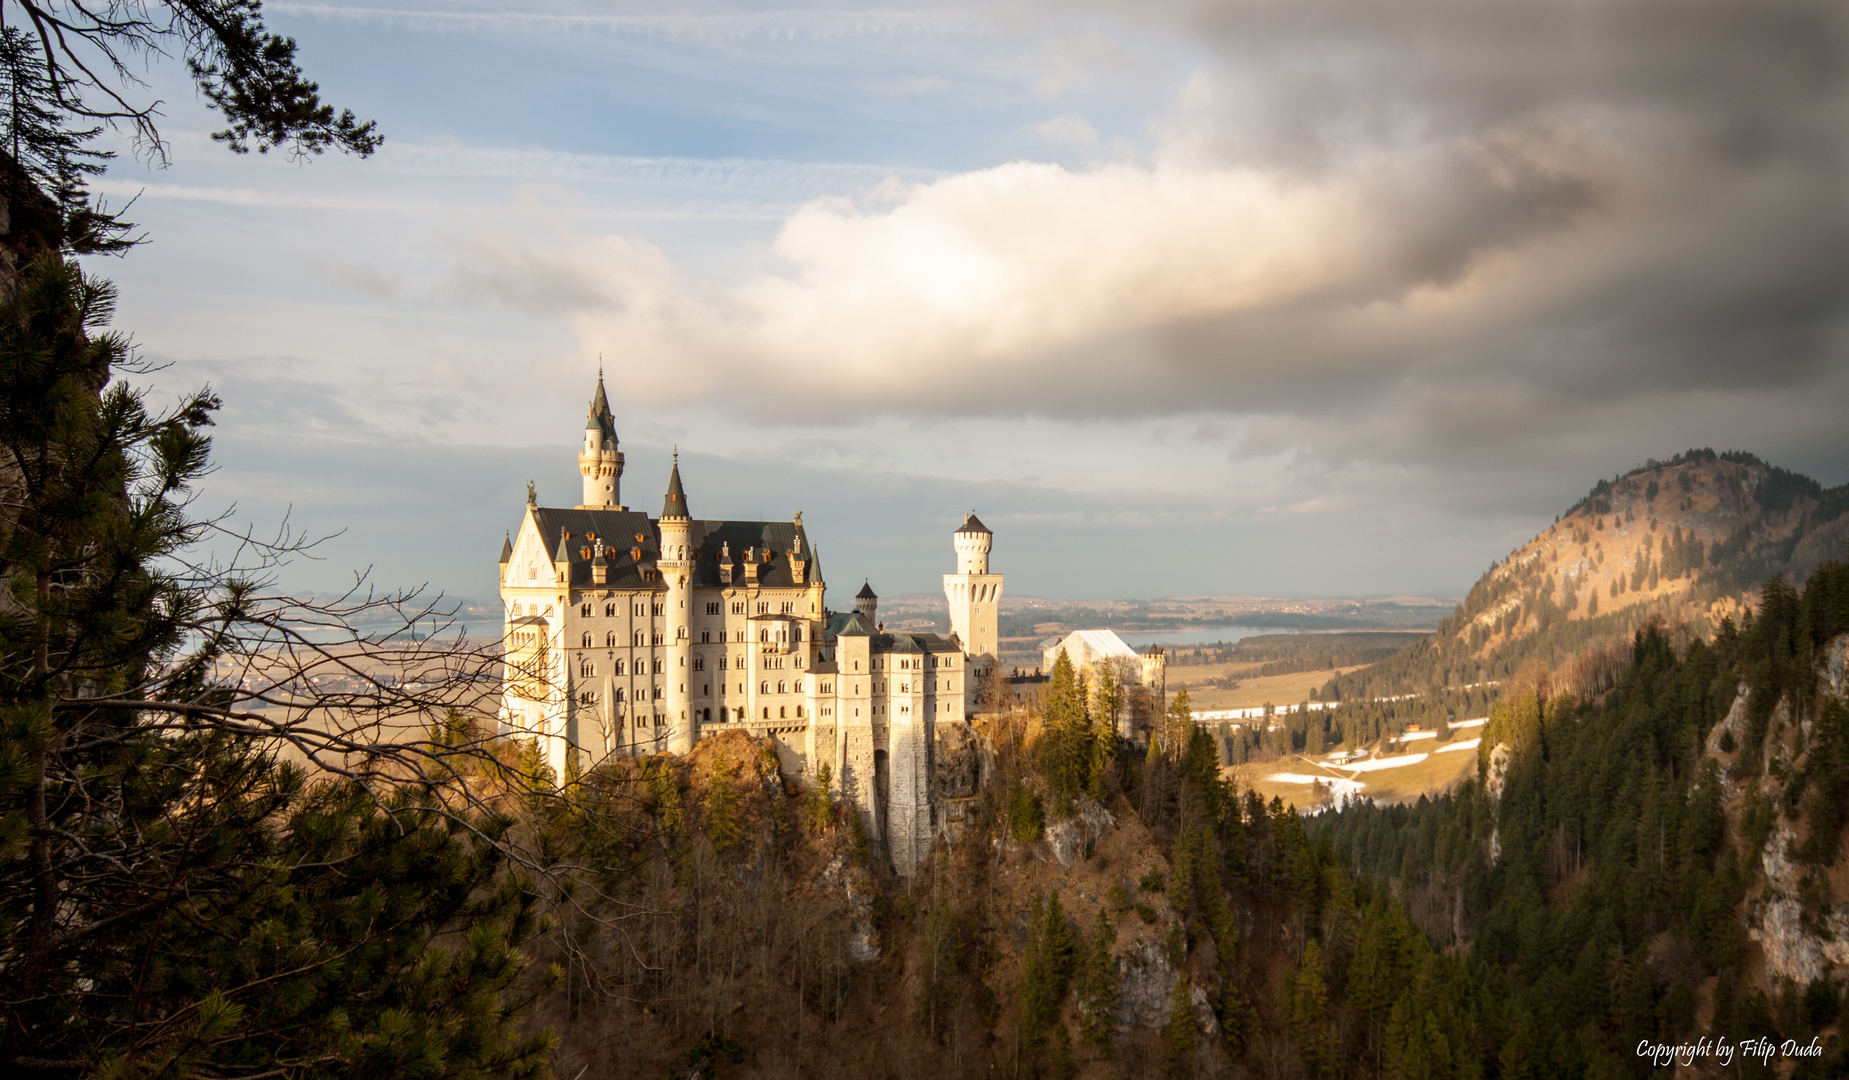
867,604
507,548
601,420
563,555
600,462
676,504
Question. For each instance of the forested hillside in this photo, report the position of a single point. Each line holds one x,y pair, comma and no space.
1661,862
1683,541
1099,910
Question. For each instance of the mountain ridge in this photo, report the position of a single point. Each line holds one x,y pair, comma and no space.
1685,542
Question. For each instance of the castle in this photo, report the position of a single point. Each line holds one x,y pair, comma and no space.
626,634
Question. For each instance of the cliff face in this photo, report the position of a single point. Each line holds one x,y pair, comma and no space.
731,923
1797,912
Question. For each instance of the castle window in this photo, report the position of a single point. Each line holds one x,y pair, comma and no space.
588,697
638,610
786,607
585,611
638,637
609,611
796,633
767,712
609,640
655,638
680,634
705,636
655,608
699,663
619,667
783,712
764,635
741,635
738,607
619,691
587,639
712,609
660,666
763,607
781,688
722,663
764,687
799,661
587,669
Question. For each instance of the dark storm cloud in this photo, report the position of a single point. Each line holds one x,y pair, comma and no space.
1664,180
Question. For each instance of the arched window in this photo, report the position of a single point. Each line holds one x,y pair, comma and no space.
609,611
764,687
699,663
638,637
619,667
585,611
767,712
619,693
587,639
799,712
780,688
782,713
609,640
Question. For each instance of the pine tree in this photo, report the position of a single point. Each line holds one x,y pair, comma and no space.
723,827
1066,748
819,804
173,900
1179,1033
1309,1013
1098,986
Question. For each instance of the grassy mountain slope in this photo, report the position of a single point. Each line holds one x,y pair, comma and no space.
1685,541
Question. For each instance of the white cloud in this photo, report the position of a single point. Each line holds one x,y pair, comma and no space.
1068,128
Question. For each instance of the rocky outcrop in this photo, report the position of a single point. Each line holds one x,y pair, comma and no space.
1068,841
1145,980
863,941
1791,951
1833,666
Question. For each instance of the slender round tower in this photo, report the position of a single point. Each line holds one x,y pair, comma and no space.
972,541
600,463
676,564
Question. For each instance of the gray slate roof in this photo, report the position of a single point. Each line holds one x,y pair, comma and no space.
619,528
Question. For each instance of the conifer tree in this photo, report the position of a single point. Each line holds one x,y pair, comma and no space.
1309,1013
723,827
1098,985
1066,752
1179,1032
174,901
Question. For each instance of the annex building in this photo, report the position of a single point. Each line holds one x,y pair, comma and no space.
631,634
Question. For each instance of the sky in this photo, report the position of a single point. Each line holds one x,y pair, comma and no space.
1275,297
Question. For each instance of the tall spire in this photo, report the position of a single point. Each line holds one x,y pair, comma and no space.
600,461
676,504
601,419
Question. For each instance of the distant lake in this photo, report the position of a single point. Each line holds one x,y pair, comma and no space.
1199,635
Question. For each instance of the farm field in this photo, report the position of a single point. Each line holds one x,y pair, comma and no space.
1279,690
1290,778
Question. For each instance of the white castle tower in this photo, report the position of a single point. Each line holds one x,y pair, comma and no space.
600,462
677,568
974,596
